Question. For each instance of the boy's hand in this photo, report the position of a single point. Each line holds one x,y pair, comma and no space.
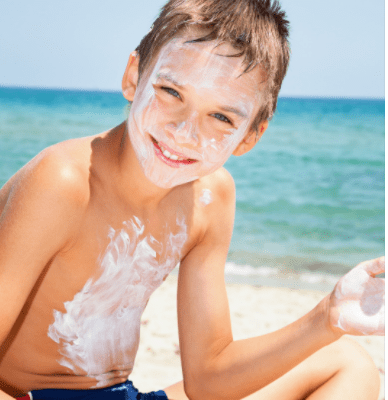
357,302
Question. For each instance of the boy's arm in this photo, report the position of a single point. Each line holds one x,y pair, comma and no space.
215,366
42,208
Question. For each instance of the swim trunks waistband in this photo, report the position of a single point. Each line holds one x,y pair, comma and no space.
121,391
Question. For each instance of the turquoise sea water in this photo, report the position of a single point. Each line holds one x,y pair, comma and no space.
310,196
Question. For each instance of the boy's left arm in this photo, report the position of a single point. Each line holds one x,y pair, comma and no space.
214,366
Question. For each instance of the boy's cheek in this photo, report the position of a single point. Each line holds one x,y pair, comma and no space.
229,141
154,118
217,140
145,112
143,96
163,111
217,152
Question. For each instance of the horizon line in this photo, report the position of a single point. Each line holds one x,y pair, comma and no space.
51,88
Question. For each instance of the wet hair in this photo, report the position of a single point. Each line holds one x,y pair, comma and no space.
257,29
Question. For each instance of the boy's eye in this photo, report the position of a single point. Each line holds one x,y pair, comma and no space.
222,118
171,91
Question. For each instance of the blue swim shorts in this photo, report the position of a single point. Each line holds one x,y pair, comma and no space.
121,391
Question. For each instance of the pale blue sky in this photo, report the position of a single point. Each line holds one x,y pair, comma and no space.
337,45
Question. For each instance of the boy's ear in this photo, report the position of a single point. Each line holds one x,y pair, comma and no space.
131,75
251,138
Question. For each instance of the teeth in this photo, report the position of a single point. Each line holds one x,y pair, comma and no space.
167,154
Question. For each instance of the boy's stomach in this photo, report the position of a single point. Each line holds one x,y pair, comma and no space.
38,354
17,381
24,368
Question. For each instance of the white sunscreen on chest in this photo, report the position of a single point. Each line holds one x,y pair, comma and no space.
99,331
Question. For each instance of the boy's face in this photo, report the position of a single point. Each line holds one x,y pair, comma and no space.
192,108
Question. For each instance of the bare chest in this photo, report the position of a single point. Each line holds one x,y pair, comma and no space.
108,281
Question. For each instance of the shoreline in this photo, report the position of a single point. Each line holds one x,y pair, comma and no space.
255,310
276,278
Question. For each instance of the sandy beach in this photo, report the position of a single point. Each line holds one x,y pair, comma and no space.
254,311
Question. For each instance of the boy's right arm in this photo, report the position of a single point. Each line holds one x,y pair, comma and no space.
42,211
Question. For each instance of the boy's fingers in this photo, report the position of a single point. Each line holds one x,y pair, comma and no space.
374,267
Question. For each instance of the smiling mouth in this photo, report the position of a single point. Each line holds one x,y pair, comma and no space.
171,158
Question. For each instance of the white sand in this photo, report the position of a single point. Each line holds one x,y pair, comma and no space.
255,311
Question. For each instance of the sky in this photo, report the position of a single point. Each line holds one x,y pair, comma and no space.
337,45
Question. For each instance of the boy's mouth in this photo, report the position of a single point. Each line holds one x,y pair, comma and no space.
169,156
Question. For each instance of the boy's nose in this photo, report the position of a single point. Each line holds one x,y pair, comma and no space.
184,132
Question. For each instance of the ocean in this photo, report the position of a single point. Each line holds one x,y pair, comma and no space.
310,195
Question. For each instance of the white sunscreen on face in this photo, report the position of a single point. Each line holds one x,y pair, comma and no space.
99,332
206,197
189,125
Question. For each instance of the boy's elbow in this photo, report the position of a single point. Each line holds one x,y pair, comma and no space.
195,388
203,385
199,391
206,376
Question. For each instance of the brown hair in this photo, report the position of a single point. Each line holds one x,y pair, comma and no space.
257,29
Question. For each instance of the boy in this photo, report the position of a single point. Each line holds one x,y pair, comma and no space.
92,226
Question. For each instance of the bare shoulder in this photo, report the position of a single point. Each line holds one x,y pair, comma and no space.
66,164
50,193
216,191
61,170
222,179
215,206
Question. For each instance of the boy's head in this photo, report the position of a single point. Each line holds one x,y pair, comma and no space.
256,29
206,77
